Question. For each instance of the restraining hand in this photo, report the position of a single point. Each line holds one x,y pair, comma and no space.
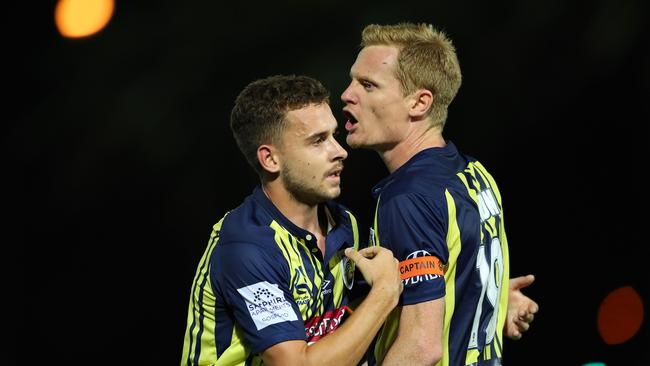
378,267
521,308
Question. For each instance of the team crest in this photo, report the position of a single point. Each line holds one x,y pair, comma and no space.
347,269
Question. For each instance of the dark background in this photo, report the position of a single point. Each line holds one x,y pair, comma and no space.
119,159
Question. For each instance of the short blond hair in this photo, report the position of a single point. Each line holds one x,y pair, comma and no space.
427,60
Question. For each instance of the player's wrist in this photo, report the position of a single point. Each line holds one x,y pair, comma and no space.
385,293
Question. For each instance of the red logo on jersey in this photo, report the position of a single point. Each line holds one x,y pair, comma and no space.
320,326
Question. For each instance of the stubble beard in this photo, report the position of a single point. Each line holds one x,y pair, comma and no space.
302,192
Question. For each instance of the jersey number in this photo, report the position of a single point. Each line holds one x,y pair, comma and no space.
491,273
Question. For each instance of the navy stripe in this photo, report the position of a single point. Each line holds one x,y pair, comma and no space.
223,329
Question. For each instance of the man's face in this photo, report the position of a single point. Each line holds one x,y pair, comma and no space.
374,103
312,159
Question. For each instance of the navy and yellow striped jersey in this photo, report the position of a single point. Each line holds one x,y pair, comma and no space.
262,280
441,215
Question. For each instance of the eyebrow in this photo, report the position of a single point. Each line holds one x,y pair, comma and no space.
362,77
322,132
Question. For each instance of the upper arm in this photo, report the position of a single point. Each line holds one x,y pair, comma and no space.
422,322
413,226
253,286
419,337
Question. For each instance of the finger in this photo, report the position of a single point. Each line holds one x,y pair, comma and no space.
522,326
370,252
528,318
354,255
522,281
533,307
513,333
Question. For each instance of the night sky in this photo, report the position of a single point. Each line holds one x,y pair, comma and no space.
119,158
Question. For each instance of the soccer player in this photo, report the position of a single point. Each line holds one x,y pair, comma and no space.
272,285
439,211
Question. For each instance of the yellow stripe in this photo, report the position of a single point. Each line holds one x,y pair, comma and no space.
280,238
503,300
454,247
472,356
505,288
355,229
318,276
237,350
490,180
375,223
487,178
471,189
337,273
208,347
387,334
288,245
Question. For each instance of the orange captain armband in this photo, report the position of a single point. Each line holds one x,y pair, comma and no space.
418,266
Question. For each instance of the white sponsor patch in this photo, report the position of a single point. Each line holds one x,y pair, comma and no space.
266,304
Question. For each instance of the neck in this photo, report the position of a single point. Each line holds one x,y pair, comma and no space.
414,142
303,215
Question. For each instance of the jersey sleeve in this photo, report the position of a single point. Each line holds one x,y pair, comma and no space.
254,284
414,228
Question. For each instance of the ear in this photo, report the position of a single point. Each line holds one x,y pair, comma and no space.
268,158
420,103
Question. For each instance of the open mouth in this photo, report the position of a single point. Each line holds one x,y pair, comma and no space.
335,173
350,120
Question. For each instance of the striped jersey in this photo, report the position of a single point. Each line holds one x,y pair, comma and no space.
441,215
262,280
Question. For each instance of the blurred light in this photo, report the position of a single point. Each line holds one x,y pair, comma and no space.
82,18
595,364
620,315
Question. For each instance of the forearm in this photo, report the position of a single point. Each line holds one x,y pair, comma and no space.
349,342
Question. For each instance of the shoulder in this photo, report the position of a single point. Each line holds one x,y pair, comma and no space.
248,226
414,189
245,238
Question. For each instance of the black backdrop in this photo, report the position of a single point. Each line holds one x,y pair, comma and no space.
118,158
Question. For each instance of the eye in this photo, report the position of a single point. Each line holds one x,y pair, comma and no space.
367,85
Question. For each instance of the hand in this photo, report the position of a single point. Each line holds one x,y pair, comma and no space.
521,308
378,267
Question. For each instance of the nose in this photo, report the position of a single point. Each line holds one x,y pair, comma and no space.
348,95
339,152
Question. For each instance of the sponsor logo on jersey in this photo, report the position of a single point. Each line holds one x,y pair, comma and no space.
320,326
266,304
325,290
420,266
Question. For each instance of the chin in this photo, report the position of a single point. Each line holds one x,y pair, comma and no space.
352,142
332,193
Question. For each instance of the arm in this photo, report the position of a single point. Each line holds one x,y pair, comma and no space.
521,308
419,338
348,344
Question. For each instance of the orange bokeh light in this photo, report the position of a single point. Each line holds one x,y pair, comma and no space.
82,18
620,315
